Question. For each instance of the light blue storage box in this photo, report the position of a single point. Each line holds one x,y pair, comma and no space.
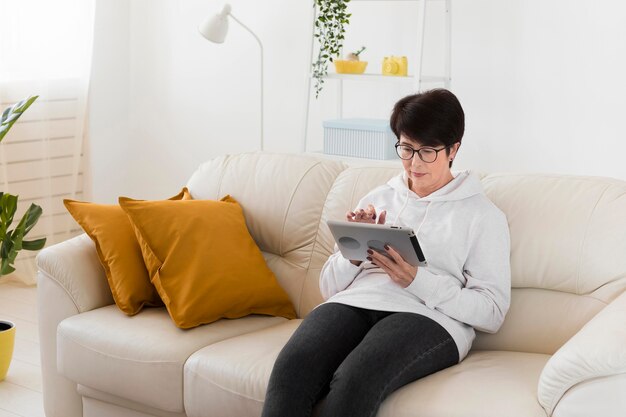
360,138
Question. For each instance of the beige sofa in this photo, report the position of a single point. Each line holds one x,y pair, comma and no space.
560,352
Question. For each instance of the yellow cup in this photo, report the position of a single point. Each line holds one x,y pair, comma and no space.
7,340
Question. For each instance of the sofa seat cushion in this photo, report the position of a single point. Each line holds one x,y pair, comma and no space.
139,358
229,378
485,384
116,404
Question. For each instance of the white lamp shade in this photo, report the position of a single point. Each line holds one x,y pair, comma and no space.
215,27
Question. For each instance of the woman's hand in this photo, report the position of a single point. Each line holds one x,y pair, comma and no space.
367,215
395,266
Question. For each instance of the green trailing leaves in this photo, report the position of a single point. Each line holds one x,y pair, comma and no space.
11,114
329,32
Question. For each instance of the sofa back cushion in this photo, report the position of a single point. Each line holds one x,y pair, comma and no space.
568,240
282,197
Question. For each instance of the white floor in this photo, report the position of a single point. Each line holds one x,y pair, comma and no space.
20,392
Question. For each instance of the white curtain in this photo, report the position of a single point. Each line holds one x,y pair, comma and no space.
45,50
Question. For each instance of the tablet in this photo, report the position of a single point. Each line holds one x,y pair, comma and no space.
354,239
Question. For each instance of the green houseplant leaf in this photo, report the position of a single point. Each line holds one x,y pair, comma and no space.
33,244
8,206
11,114
13,240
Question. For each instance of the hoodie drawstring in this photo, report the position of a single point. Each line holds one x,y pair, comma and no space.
424,219
406,201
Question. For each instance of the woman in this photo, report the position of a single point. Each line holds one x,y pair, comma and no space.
386,323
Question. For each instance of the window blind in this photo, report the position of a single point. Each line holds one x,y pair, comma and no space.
41,158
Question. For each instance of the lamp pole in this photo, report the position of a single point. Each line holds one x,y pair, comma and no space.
261,50
215,29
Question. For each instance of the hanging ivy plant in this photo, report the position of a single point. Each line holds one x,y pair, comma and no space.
329,31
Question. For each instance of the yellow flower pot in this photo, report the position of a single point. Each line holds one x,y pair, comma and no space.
350,67
7,340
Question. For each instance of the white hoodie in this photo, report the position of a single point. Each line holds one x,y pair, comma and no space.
465,238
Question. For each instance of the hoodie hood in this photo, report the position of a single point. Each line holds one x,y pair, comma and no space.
463,185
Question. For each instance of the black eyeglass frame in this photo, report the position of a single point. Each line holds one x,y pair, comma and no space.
418,152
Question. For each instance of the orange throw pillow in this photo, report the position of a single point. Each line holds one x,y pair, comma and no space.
119,253
203,261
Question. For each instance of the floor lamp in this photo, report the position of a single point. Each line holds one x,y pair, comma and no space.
215,29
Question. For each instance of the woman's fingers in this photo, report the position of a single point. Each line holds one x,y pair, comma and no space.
380,259
355,216
367,215
395,266
389,266
395,255
385,268
409,269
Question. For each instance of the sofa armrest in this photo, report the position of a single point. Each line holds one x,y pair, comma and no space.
596,351
70,281
74,265
596,397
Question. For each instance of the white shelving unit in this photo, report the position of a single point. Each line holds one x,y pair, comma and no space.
413,81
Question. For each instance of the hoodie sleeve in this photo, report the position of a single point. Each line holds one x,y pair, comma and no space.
337,274
484,300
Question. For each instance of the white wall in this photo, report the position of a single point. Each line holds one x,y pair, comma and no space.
541,83
107,151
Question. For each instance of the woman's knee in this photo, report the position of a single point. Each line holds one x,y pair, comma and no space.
321,342
355,378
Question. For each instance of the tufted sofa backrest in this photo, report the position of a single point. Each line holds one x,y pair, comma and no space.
282,198
568,255
568,235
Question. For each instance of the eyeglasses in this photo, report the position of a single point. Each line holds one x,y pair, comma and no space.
426,153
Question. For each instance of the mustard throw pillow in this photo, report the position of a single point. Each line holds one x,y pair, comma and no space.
203,261
119,253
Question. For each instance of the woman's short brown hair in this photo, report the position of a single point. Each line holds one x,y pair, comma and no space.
432,118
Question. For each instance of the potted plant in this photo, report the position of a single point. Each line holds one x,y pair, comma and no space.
7,341
12,241
329,31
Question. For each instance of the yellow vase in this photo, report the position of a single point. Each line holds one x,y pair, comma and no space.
7,340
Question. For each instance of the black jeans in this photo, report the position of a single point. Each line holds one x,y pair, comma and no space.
356,358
